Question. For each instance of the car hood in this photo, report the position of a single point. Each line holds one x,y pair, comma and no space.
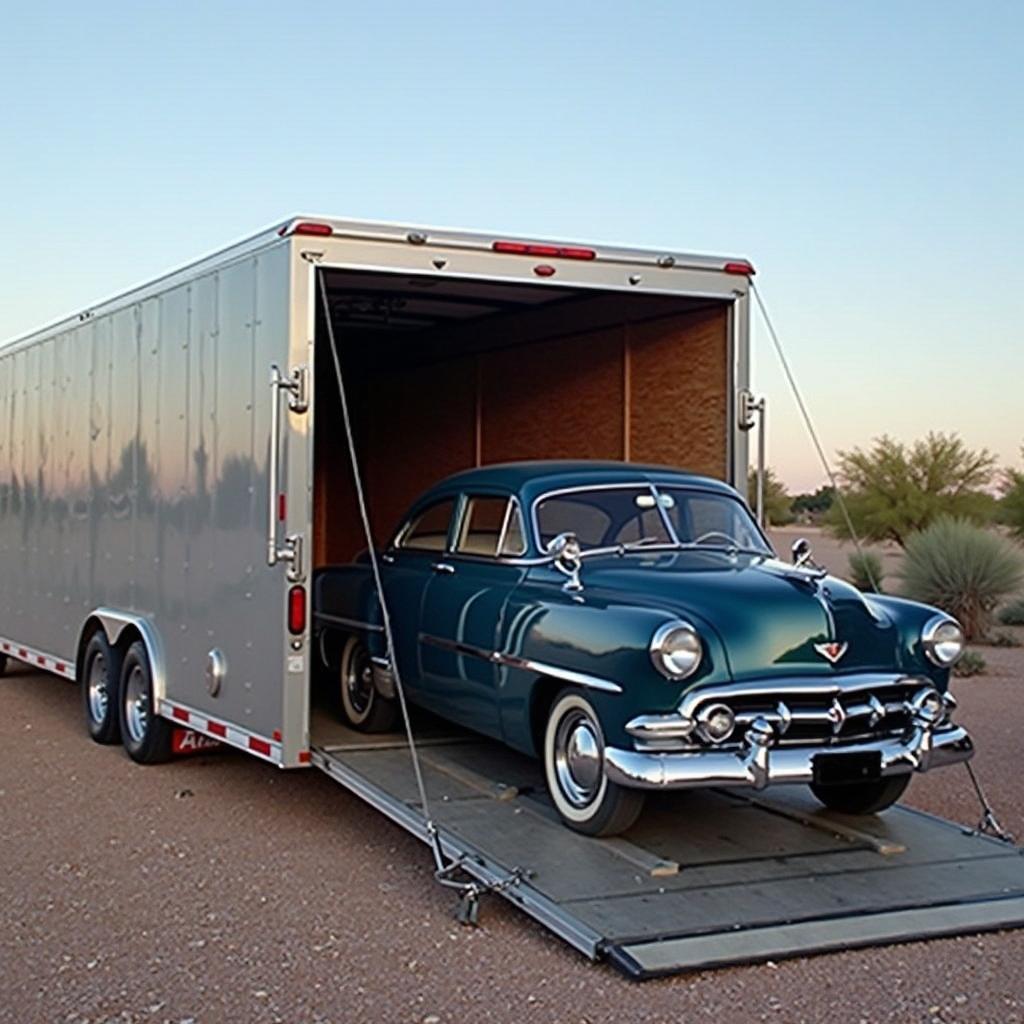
769,616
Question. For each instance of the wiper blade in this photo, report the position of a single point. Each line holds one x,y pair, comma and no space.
730,549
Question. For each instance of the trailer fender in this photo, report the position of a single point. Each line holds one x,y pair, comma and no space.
114,622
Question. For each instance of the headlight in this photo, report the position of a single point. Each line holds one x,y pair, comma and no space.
676,649
943,641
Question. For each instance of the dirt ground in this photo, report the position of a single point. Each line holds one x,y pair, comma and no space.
222,889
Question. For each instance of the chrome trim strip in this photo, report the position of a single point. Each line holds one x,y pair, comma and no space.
528,664
340,620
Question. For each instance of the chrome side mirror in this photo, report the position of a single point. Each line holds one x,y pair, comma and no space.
567,558
801,551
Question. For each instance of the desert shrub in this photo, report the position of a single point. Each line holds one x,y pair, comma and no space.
1002,639
971,664
1011,507
963,569
1012,614
866,571
893,490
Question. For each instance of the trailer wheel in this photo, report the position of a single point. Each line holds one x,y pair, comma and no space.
145,735
862,797
361,702
573,766
3,664
101,678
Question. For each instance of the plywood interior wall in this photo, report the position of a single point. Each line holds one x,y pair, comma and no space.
654,391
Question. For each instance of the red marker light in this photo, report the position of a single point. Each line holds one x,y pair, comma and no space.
544,270
307,227
296,610
740,267
565,252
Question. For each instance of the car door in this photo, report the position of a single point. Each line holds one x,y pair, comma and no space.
463,608
406,570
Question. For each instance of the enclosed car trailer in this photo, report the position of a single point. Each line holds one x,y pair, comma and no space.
173,469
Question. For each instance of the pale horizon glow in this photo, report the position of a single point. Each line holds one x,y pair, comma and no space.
867,158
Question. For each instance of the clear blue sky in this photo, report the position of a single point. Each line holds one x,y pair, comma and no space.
868,157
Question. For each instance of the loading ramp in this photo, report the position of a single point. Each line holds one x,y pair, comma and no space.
705,878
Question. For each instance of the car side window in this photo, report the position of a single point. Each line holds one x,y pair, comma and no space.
428,531
488,523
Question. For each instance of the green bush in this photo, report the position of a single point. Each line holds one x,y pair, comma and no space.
971,664
866,572
1012,614
1003,639
963,569
893,490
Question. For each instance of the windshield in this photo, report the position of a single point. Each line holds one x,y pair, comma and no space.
604,517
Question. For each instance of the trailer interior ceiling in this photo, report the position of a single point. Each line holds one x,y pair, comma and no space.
444,374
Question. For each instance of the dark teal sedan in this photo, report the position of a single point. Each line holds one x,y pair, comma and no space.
632,627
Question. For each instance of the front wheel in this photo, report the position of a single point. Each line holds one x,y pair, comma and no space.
861,797
145,735
574,767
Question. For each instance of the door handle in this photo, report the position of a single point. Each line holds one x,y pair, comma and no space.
297,388
443,567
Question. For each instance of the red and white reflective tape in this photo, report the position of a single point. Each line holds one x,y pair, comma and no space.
268,749
37,659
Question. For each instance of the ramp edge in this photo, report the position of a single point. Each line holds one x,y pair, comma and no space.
644,960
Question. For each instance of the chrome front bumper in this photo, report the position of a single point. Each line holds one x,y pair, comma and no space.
759,763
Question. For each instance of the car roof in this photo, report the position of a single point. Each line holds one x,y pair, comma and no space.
536,477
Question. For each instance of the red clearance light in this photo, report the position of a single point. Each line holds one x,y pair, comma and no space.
740,267
544,270
296,610
307,227
565,252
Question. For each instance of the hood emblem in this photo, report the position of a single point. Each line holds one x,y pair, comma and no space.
832,651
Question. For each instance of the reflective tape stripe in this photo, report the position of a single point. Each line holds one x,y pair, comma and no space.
38,659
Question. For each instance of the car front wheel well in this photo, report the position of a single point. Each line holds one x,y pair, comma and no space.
543,695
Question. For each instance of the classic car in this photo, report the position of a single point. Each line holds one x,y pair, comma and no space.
632,627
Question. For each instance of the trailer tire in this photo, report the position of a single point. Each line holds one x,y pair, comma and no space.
145,735
101,688
3,664
362,705
586,800
862,797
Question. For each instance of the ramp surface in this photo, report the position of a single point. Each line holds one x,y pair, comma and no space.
705,878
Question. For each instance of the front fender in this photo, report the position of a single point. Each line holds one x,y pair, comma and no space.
603,639
909,618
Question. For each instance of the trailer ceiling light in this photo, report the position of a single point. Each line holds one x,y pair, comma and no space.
297,610
565,252
740,267
307,227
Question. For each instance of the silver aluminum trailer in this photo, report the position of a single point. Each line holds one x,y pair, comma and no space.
170,475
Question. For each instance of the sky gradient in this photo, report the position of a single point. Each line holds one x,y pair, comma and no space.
868,158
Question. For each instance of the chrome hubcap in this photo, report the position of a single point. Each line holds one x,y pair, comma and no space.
136,705
578,758
99,695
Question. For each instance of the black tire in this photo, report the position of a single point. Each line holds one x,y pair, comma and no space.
862,797
101,689
586,800
3,664
145,735
361,703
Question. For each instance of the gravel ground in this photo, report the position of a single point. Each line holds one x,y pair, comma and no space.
221,889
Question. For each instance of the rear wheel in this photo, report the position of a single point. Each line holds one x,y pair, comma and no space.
361,702
574,767
145,735
861,797
101,677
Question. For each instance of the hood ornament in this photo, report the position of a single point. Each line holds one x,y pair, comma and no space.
832,651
